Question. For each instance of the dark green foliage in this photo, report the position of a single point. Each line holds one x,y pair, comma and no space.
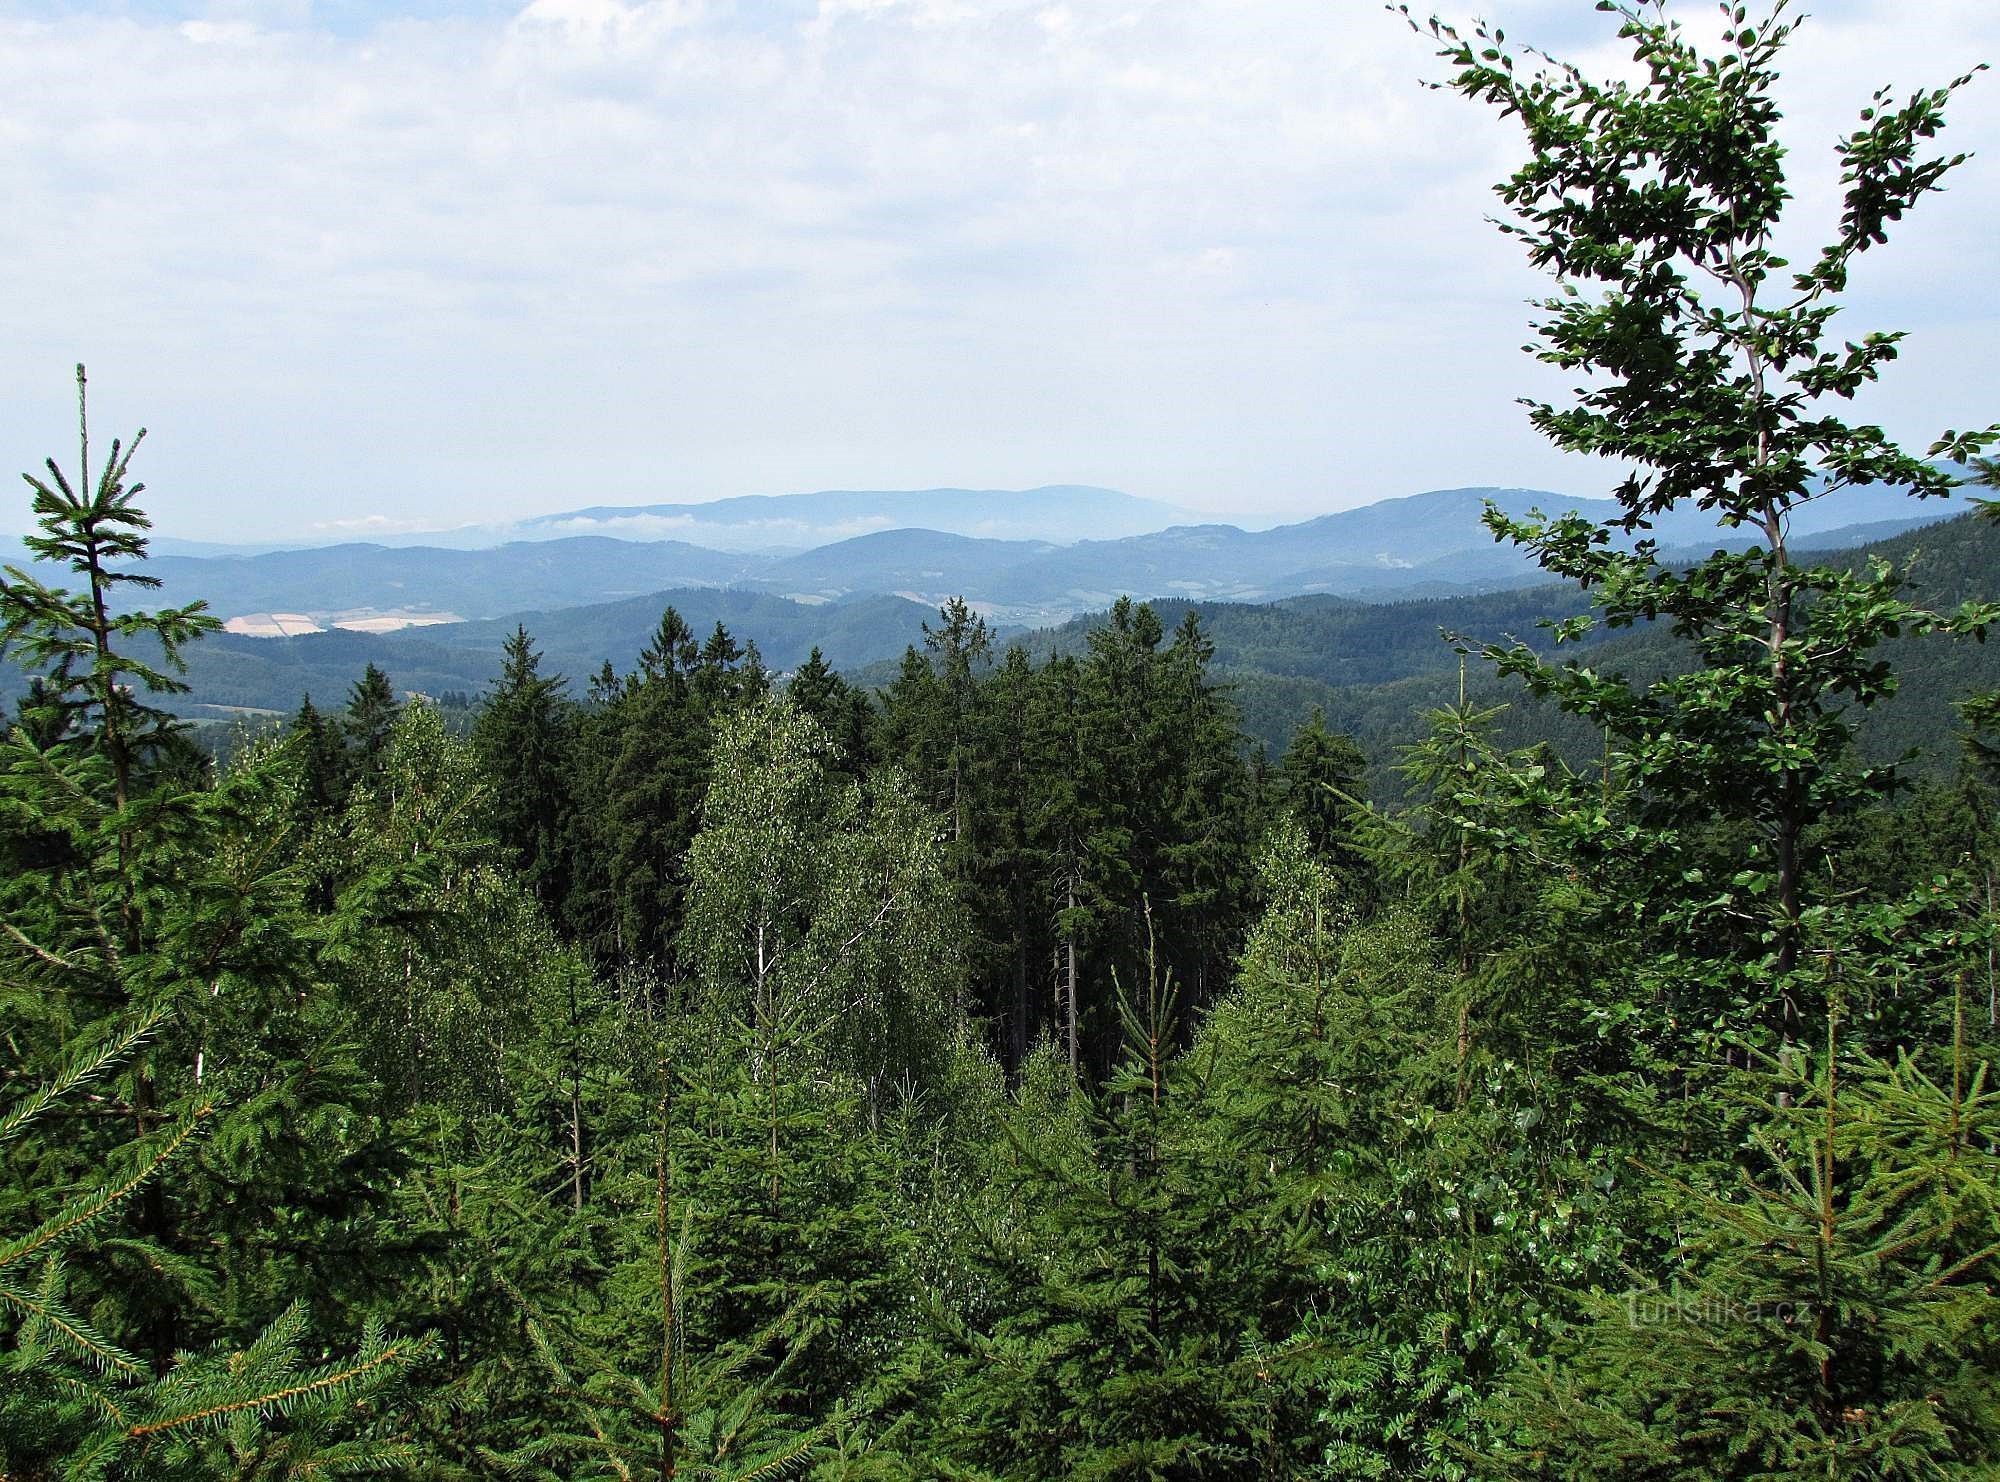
716,1076
372,707
1096,810
1323,784
1114,1352
322,760
1817,1307
158,1048
641,769
841,709
522,738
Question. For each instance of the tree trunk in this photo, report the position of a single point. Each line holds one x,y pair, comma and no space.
1069,947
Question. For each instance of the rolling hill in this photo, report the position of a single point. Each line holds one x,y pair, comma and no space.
229,672
790,522
1423,545
327,580
1374,667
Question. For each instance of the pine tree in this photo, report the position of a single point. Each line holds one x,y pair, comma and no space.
93,678
372,708
671,653
716,681
522,737
1832,1316
1324,783
322,760
841,710
1069,834
1202,901
1014,865
644,769
960,647
155,952
1125,1343
79,1404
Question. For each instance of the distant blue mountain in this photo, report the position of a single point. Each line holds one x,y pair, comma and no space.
323,581
1056,512
1422,545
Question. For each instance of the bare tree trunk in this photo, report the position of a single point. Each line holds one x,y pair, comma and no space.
575,1104
1069,947
1992,982
667,1418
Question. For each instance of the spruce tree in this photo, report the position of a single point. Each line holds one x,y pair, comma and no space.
155,951
1793,1209
671,652
93,677
522,737
1323,778
372,708
841,709
322,760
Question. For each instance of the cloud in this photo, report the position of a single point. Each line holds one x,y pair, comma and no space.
490,263
372,525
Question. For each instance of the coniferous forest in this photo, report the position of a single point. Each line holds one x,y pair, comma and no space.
701,1072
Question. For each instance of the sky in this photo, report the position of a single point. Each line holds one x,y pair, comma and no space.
369,266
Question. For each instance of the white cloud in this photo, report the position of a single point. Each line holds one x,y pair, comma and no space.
1220,252
372,525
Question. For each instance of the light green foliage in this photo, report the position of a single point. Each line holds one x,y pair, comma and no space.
1421,1204
1655,206
1833,1315
719,1077
814,899
148,918
1709,932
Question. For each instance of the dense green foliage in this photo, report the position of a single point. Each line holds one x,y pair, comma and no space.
701,1072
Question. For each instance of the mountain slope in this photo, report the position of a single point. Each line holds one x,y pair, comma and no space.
1429,545
1421,545
228,670
1376,669
328,580
930,563
1373,666
1055,512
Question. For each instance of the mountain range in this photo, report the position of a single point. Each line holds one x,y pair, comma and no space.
1373,667
793,522
1423,545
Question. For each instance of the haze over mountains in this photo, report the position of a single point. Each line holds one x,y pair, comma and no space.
1022,558
795,522
1373,667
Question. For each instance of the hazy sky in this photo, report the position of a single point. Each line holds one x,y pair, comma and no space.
361,263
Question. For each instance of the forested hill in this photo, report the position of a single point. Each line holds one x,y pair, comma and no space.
1339,641
1422,545
465,658
1374,668
1001,1073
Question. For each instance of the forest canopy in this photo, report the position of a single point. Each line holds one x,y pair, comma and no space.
699,1071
